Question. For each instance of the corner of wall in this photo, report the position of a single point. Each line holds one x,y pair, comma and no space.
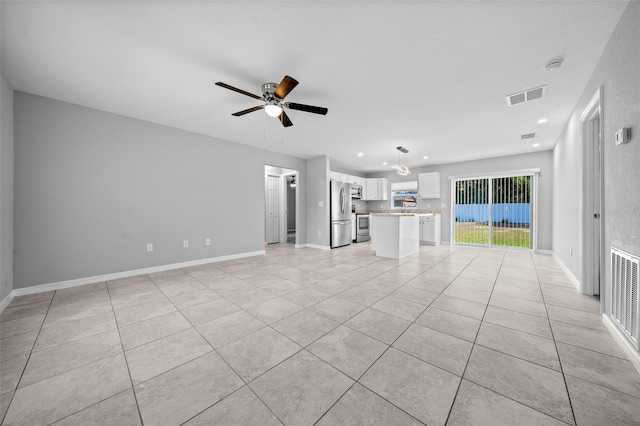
6,189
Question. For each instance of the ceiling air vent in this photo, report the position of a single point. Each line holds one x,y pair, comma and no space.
526,96
527,136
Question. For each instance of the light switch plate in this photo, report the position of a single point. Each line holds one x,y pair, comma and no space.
443,205
320,203
207,242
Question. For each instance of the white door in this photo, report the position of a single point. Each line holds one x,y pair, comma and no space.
273,201
595,184
592,250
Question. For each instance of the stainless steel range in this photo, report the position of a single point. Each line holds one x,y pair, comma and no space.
363,225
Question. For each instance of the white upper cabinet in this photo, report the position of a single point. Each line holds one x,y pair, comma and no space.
429,185
372,188
383,189
377,189
371,191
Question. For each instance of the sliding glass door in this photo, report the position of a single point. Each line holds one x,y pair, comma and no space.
493,211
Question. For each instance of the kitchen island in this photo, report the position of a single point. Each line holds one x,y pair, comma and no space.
395,235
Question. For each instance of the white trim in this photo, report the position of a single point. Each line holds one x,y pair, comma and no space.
625,345
125,274
5,302
543,251
510,173
574,280
319,247
593,110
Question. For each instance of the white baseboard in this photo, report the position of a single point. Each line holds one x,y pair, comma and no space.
319,247
632,353
125,274
567,271
544,251
6,300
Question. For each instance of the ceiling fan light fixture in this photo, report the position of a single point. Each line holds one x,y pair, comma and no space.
273,110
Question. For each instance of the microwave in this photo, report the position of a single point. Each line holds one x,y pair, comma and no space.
356,191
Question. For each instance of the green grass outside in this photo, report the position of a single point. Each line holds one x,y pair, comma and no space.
477,233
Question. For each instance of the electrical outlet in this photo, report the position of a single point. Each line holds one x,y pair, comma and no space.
149,248
443,205
320,203
428,205
207,242
319,233
185,244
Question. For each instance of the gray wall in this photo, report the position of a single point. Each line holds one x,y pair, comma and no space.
618,72
93,188
6,187
542,160
318,192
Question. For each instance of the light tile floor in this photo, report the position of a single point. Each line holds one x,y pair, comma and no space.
453,335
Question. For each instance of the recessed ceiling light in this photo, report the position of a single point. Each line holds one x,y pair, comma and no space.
385,163
542,120
535,145
360,154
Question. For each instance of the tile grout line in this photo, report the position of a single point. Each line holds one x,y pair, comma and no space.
124,355
453,402
24,369
555,343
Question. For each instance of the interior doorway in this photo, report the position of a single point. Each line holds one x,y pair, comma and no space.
592,196
273,210
281,205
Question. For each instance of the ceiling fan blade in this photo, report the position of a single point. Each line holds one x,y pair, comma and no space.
235,89
307,108
286,85
247,111
284,119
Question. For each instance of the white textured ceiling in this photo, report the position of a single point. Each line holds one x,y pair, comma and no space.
431,76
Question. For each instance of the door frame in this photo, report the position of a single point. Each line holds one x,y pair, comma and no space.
588,234
281,173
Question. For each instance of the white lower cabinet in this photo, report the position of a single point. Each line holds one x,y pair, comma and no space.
430,229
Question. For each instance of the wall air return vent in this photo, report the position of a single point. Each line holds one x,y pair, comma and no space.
526,96
625,301
527,136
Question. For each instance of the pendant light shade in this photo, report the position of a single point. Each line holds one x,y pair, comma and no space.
293,183
402,170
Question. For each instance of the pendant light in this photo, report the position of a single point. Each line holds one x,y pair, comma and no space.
402,170
293,183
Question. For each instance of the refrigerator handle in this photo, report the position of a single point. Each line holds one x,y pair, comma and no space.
342,200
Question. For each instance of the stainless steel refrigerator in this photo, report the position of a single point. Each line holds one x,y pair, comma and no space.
340,214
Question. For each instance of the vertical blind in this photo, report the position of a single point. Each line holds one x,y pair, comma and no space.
494,211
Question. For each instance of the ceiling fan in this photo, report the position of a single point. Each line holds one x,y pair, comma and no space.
273,97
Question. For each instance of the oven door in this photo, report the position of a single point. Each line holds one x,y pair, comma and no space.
363,223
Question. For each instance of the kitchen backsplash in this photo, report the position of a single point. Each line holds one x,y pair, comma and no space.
398,211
